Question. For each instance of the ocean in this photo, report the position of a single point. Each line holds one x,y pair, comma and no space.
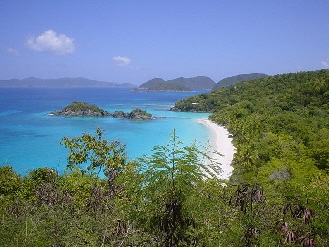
29,138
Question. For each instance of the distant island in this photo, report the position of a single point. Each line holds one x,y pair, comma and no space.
236,79
62,82
182,84
179,84
82,109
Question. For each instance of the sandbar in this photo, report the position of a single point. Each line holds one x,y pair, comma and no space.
222,143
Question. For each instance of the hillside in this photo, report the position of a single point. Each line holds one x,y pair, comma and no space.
278,194
286,89
288,109
236,79
61,82
281,131
179,84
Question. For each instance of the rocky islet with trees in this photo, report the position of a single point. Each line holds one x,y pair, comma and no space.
82,109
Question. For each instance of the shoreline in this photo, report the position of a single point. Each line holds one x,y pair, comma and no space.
222,143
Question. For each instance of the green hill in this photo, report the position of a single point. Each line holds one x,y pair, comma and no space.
280,129
238,78
179,84
291,108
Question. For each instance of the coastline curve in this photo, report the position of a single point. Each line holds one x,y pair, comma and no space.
222,143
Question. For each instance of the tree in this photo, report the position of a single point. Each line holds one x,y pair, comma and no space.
169,196
96,153
9,180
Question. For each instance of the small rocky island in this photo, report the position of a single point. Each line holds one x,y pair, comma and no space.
137,114
82,109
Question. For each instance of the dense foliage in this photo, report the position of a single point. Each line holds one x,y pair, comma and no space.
158,200
289,108
82,106
236,79
277,196
280,127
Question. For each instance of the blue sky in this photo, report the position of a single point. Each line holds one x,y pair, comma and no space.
135,41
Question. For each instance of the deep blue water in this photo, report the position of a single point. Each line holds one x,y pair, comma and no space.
29,138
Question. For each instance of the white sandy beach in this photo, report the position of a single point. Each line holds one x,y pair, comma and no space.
222,143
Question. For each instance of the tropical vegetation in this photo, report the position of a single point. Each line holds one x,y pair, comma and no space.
277,195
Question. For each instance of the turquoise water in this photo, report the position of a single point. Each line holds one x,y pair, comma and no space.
29,138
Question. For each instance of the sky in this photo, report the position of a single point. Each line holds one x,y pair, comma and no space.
135,41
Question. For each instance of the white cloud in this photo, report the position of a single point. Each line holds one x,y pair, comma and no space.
121,61
49,41
13,52
325,64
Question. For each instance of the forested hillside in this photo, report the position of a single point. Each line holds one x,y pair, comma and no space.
278,194
178,84
289,106
236,79
281,132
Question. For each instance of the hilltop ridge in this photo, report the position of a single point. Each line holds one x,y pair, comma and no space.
236,79
178,84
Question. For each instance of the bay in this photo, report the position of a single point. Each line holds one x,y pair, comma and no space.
29,138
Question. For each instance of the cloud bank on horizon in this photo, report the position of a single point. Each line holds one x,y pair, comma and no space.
49,41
